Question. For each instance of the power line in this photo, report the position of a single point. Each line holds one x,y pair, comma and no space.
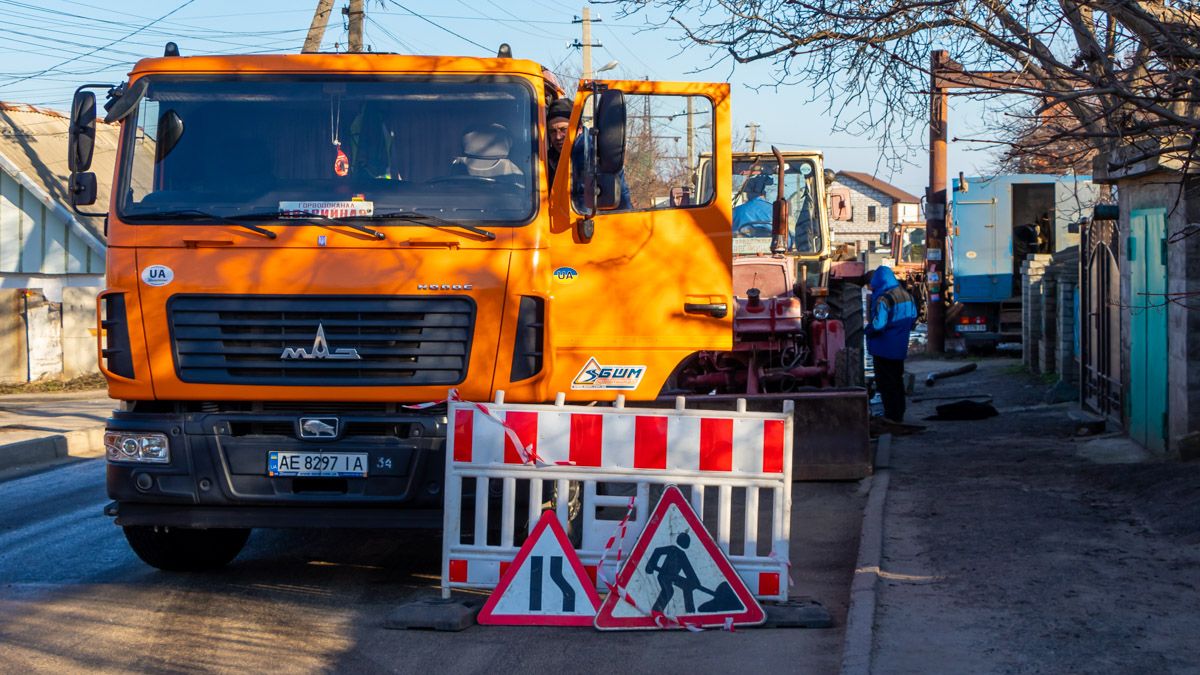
389,34
438,26
98,49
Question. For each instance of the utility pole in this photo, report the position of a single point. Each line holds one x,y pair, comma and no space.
691,133
753,127
316,30
945,74
355,13
935,210
587,44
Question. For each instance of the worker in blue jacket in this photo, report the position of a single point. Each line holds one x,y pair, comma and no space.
892,317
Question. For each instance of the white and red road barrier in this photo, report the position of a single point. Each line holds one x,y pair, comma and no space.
726,462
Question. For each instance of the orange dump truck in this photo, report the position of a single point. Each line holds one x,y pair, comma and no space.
302,246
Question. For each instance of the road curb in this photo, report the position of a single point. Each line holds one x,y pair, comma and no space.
860,617
83,443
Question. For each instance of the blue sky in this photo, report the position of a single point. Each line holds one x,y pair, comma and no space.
49,47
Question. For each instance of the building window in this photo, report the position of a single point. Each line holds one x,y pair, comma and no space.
872,216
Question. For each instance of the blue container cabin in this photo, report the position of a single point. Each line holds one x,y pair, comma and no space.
986,258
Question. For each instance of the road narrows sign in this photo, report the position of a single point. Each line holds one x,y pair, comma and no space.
545,585
677,577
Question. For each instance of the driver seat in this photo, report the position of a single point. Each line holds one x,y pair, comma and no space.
485,153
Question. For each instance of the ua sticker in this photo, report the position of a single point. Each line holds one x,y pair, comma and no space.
676,576
545,585
595,376
565,274
158,275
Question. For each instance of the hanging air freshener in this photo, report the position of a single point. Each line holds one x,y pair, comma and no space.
341,163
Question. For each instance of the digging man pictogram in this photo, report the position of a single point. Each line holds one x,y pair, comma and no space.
673,569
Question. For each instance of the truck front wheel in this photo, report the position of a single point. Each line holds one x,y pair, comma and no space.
178,549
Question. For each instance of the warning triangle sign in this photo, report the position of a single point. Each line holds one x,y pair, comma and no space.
676,577
545,585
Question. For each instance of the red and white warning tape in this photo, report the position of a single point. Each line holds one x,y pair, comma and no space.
661,619
526,451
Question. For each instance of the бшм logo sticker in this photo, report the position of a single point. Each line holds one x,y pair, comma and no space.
595,376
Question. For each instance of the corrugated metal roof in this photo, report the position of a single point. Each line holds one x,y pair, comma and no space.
34,140
886,188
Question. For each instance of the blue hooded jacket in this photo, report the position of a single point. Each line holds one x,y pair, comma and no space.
892,317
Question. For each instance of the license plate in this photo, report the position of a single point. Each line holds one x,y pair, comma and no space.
972,328
333,464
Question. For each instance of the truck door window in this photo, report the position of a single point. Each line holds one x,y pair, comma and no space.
914,245
459,148
665,137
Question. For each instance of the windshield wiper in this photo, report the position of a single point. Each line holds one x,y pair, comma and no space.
313,215
197,214
433,221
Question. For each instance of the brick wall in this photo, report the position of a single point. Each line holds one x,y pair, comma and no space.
859,228
1033,271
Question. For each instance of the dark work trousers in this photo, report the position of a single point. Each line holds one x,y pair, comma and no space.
889,382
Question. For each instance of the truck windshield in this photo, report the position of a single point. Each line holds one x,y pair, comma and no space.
460,149
756,180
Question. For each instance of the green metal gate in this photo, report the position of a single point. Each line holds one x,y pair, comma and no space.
1148,359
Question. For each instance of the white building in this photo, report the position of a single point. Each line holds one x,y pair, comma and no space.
51,259
862,207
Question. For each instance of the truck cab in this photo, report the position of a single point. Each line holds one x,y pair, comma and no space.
309,254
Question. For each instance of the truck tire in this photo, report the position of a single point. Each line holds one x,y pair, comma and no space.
846,304
180,549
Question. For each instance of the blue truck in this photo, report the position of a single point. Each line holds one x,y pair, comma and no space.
995,223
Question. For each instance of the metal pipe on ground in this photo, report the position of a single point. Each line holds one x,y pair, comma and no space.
953,372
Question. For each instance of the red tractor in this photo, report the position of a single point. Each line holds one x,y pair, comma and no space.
799,315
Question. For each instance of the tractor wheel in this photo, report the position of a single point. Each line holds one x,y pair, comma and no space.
846,303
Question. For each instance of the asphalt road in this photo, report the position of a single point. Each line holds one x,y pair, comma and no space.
73,597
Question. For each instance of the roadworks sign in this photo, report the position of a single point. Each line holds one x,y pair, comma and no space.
545,585
677,577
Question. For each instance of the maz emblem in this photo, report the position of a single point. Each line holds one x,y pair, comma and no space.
320,350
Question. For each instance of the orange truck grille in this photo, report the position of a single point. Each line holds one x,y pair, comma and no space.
321,340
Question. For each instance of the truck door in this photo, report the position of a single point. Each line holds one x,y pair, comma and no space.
653,283
975,276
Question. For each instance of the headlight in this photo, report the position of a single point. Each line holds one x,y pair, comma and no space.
821,311
121,446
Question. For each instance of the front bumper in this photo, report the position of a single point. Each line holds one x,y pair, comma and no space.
217,473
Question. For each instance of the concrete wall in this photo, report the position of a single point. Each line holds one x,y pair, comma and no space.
1163,190
79,332
14,357
45,338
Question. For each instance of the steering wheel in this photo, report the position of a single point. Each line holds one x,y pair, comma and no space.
750,228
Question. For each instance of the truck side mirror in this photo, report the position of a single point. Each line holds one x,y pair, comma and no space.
610,128
82,187
608,191
170,130
123,100
885,238
81,136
